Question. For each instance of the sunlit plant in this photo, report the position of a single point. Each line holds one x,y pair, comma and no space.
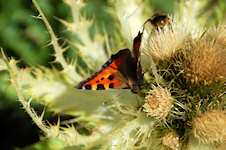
182,103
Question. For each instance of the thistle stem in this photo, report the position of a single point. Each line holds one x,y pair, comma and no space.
26,104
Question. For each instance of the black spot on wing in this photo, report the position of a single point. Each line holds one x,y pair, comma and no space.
100,87
88,87
111,77
111,85
110,61
102,78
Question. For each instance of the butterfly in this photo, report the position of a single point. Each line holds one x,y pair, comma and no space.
122,71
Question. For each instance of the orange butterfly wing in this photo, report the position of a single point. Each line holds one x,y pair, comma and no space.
122,71
109,77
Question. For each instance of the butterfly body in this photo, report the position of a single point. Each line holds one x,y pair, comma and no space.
121,71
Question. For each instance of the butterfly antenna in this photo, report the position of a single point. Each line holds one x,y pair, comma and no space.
104,103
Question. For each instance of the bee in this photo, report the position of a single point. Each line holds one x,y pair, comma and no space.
159,20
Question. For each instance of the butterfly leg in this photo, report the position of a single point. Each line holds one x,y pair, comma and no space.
138,104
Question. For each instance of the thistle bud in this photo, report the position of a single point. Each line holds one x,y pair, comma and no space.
158,103
171,141
205,63
210,127
164,44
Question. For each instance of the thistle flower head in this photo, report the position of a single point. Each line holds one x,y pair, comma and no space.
210,127
171,141
205,63
158,103
220,35
163,44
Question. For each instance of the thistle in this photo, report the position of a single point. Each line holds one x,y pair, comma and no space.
164,44
184,67
158,103
205,62
171,141
210,127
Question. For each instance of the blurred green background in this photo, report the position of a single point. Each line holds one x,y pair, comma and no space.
25,38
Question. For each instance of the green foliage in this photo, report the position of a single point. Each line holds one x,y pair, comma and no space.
44,143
